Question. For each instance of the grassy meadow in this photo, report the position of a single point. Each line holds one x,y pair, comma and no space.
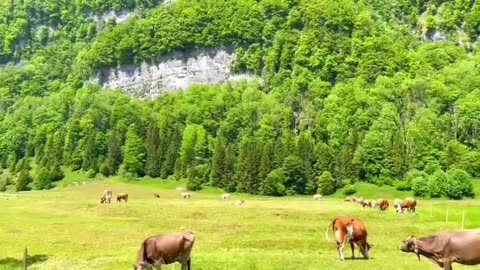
66,228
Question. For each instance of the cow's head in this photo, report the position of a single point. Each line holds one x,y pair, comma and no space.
140,266
410,245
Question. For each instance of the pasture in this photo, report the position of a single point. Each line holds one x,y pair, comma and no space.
68,229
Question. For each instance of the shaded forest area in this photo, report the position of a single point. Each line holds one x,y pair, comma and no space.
346,91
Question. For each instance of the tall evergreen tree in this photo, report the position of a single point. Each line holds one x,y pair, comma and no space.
153,160
133,153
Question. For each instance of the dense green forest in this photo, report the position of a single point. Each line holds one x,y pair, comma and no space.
346,91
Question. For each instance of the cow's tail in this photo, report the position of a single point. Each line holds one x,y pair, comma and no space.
326,231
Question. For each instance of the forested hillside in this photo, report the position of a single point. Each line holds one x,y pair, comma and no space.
381,91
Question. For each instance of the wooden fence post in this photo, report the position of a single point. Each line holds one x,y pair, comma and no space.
25,256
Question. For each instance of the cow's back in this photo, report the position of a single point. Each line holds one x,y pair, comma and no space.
169,248
359,228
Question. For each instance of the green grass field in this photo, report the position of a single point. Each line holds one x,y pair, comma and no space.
66,228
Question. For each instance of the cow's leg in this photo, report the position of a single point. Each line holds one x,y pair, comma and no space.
447,266
352,246
340,249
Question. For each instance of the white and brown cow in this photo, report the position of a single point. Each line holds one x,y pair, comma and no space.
350,230
317,197
239,202
397,204
225,196
165,249
445,248
409,203
106,196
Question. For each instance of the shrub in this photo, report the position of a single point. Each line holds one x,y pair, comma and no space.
3,186
403,186
326,184
436,184
23,180
419,186
56,173
42,180
274,183
91,173
459,184
349,190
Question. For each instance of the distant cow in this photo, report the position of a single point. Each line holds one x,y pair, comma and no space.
365,203
122,196
240,202
317,197
409,204
397,204
106,196
383,204
166,249
349,230
225,196
445,248
347,199
156,195
186,195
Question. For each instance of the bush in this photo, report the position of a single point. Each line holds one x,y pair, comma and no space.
42,180
349,190
104,170
273,184
91,173
403,186
197,176
420,186
412,174
326,184
56,173
459,184
23,180
436,184
3,186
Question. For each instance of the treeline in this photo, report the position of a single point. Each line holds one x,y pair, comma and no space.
347,94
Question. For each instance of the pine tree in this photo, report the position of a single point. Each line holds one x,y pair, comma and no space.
218,163
152,167
114,156
172,152
89,152
133,153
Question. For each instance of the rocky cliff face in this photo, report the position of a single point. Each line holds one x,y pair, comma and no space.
170,72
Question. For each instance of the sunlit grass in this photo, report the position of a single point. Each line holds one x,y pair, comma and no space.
67,228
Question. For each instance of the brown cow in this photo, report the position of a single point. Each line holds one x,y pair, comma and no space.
383,204
445,248
166,249
409,204
156,195
122,196
350,230
239,202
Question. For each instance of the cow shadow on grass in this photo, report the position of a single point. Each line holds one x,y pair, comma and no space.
357,259
18,263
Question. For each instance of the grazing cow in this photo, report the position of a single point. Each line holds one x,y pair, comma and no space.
445,248
225,196
365,203
374,204
122,196
156,195
166,249
239,202
186,195
397,204
349,230
359,201
106,196
317,197
348,199
409,204
383,204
